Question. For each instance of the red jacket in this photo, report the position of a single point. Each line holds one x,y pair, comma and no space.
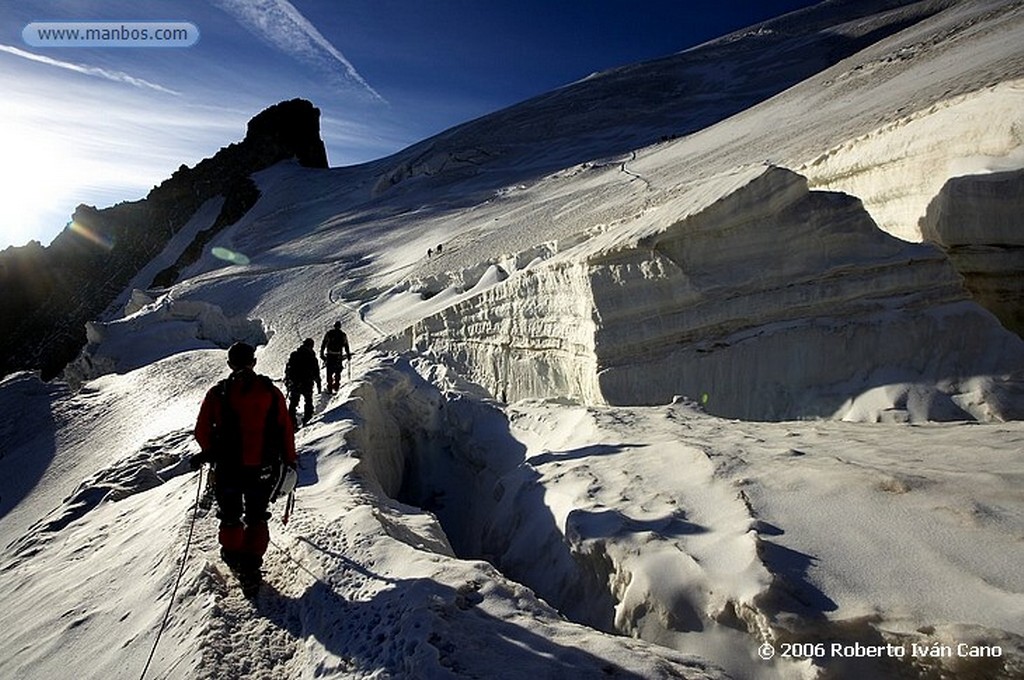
240,419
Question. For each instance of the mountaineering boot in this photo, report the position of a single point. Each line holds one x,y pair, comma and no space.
250,578
246,570
234,559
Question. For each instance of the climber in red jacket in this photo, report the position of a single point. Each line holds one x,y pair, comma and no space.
245,430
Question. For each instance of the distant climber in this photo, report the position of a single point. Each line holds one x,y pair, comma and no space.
334,351
301,373
244,429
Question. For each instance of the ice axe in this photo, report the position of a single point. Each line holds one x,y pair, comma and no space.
288,506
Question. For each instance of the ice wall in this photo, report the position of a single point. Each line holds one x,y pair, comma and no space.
777,302
533,335
979,221
765,301
154,329
897,169
949,174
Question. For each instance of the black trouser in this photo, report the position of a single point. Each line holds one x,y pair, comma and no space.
334,363
243,494
294,394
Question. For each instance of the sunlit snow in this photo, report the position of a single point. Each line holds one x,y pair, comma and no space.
648,404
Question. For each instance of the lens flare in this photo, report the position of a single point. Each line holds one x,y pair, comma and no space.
91,235
229,255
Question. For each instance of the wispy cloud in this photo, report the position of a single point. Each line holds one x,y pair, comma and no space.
94,71
284,27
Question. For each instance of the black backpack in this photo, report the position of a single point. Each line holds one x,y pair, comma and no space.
335,341
228,432
301,368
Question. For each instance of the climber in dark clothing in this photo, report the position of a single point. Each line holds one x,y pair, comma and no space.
334,350
245,430
300,375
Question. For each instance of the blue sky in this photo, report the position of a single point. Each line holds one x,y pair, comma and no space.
99,125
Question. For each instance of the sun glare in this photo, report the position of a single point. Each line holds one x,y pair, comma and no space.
91,236
38,179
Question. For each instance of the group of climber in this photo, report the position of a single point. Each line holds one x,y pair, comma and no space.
302,372
247,431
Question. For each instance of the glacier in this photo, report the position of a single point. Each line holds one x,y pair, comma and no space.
713,300
696,370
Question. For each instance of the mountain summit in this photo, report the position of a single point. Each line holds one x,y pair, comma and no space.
49,293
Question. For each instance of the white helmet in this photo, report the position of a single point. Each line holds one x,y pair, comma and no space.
287,478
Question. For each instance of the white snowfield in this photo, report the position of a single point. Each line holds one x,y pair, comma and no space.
714,405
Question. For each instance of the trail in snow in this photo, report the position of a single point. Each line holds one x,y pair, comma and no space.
356,312
346,598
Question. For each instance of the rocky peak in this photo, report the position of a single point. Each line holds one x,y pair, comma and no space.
82,279
292,126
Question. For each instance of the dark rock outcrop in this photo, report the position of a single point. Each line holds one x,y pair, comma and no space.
48,293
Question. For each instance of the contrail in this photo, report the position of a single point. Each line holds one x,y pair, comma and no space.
284,27
95,71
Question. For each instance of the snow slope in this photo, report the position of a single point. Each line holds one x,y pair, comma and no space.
600,431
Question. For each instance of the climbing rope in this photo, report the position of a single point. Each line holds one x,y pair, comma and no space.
181,571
